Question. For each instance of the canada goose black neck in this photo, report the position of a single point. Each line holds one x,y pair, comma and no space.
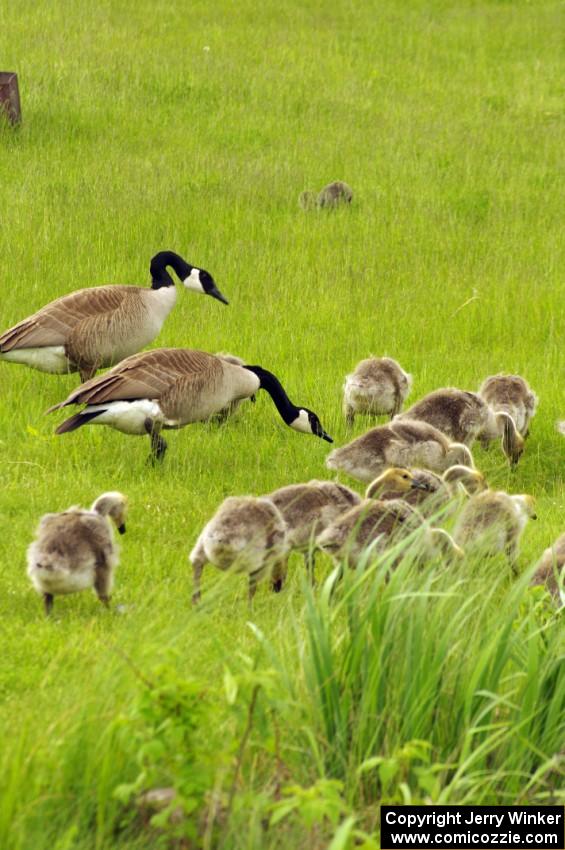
270,383
158,269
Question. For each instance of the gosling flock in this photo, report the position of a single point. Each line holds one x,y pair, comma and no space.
419,466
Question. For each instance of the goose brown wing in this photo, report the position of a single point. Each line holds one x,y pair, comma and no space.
150,374
53,323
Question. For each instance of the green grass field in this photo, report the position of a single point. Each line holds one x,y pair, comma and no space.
194,127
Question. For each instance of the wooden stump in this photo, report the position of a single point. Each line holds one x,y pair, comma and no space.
10,96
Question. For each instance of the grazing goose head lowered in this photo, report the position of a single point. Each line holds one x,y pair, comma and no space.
173,387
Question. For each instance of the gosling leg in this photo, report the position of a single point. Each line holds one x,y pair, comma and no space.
102,583
278,575
48,603
196,574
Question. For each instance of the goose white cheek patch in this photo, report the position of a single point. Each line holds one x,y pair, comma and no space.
302,423
193,281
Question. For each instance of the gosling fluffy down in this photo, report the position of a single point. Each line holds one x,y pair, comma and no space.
376,526
551,571
75,550
333,195
513,395
377,386
400,443
308,508
431,493
493,522
248,535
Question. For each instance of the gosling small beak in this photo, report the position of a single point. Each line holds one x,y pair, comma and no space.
419,485
253,398
122,528
215,293
534,516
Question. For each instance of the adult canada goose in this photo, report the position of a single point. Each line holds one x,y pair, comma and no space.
551,570
75,550
172,387
92,328
379,525
493,521
222,415
378,385
308,508
431,493
511,394
332,195
245,535
400,443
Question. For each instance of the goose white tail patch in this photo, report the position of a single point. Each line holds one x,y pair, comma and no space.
127,416
51,358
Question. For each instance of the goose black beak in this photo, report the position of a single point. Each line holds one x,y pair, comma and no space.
215,293
122,528
326,437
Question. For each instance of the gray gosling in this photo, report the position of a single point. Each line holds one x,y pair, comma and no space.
246,535
333,195
400,443
432,494
309,508
465,416
550,571
168,388
92,328
514,405
75,550
493,522
377,526
377,386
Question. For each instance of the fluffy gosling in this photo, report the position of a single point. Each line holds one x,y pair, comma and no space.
247,535
551,571
494,521
513,395
432,494
75,550
333,195
400,443
377,526
377,386
309,508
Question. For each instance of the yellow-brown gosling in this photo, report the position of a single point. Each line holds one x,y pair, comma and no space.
309,508
75,550
333,195
400,443
172,387
97,327
493,521
551,571
379,525
432,493
377,386
246,535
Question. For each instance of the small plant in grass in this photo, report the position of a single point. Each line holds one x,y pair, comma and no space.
169,726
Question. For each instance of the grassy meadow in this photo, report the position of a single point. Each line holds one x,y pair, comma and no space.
194,127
